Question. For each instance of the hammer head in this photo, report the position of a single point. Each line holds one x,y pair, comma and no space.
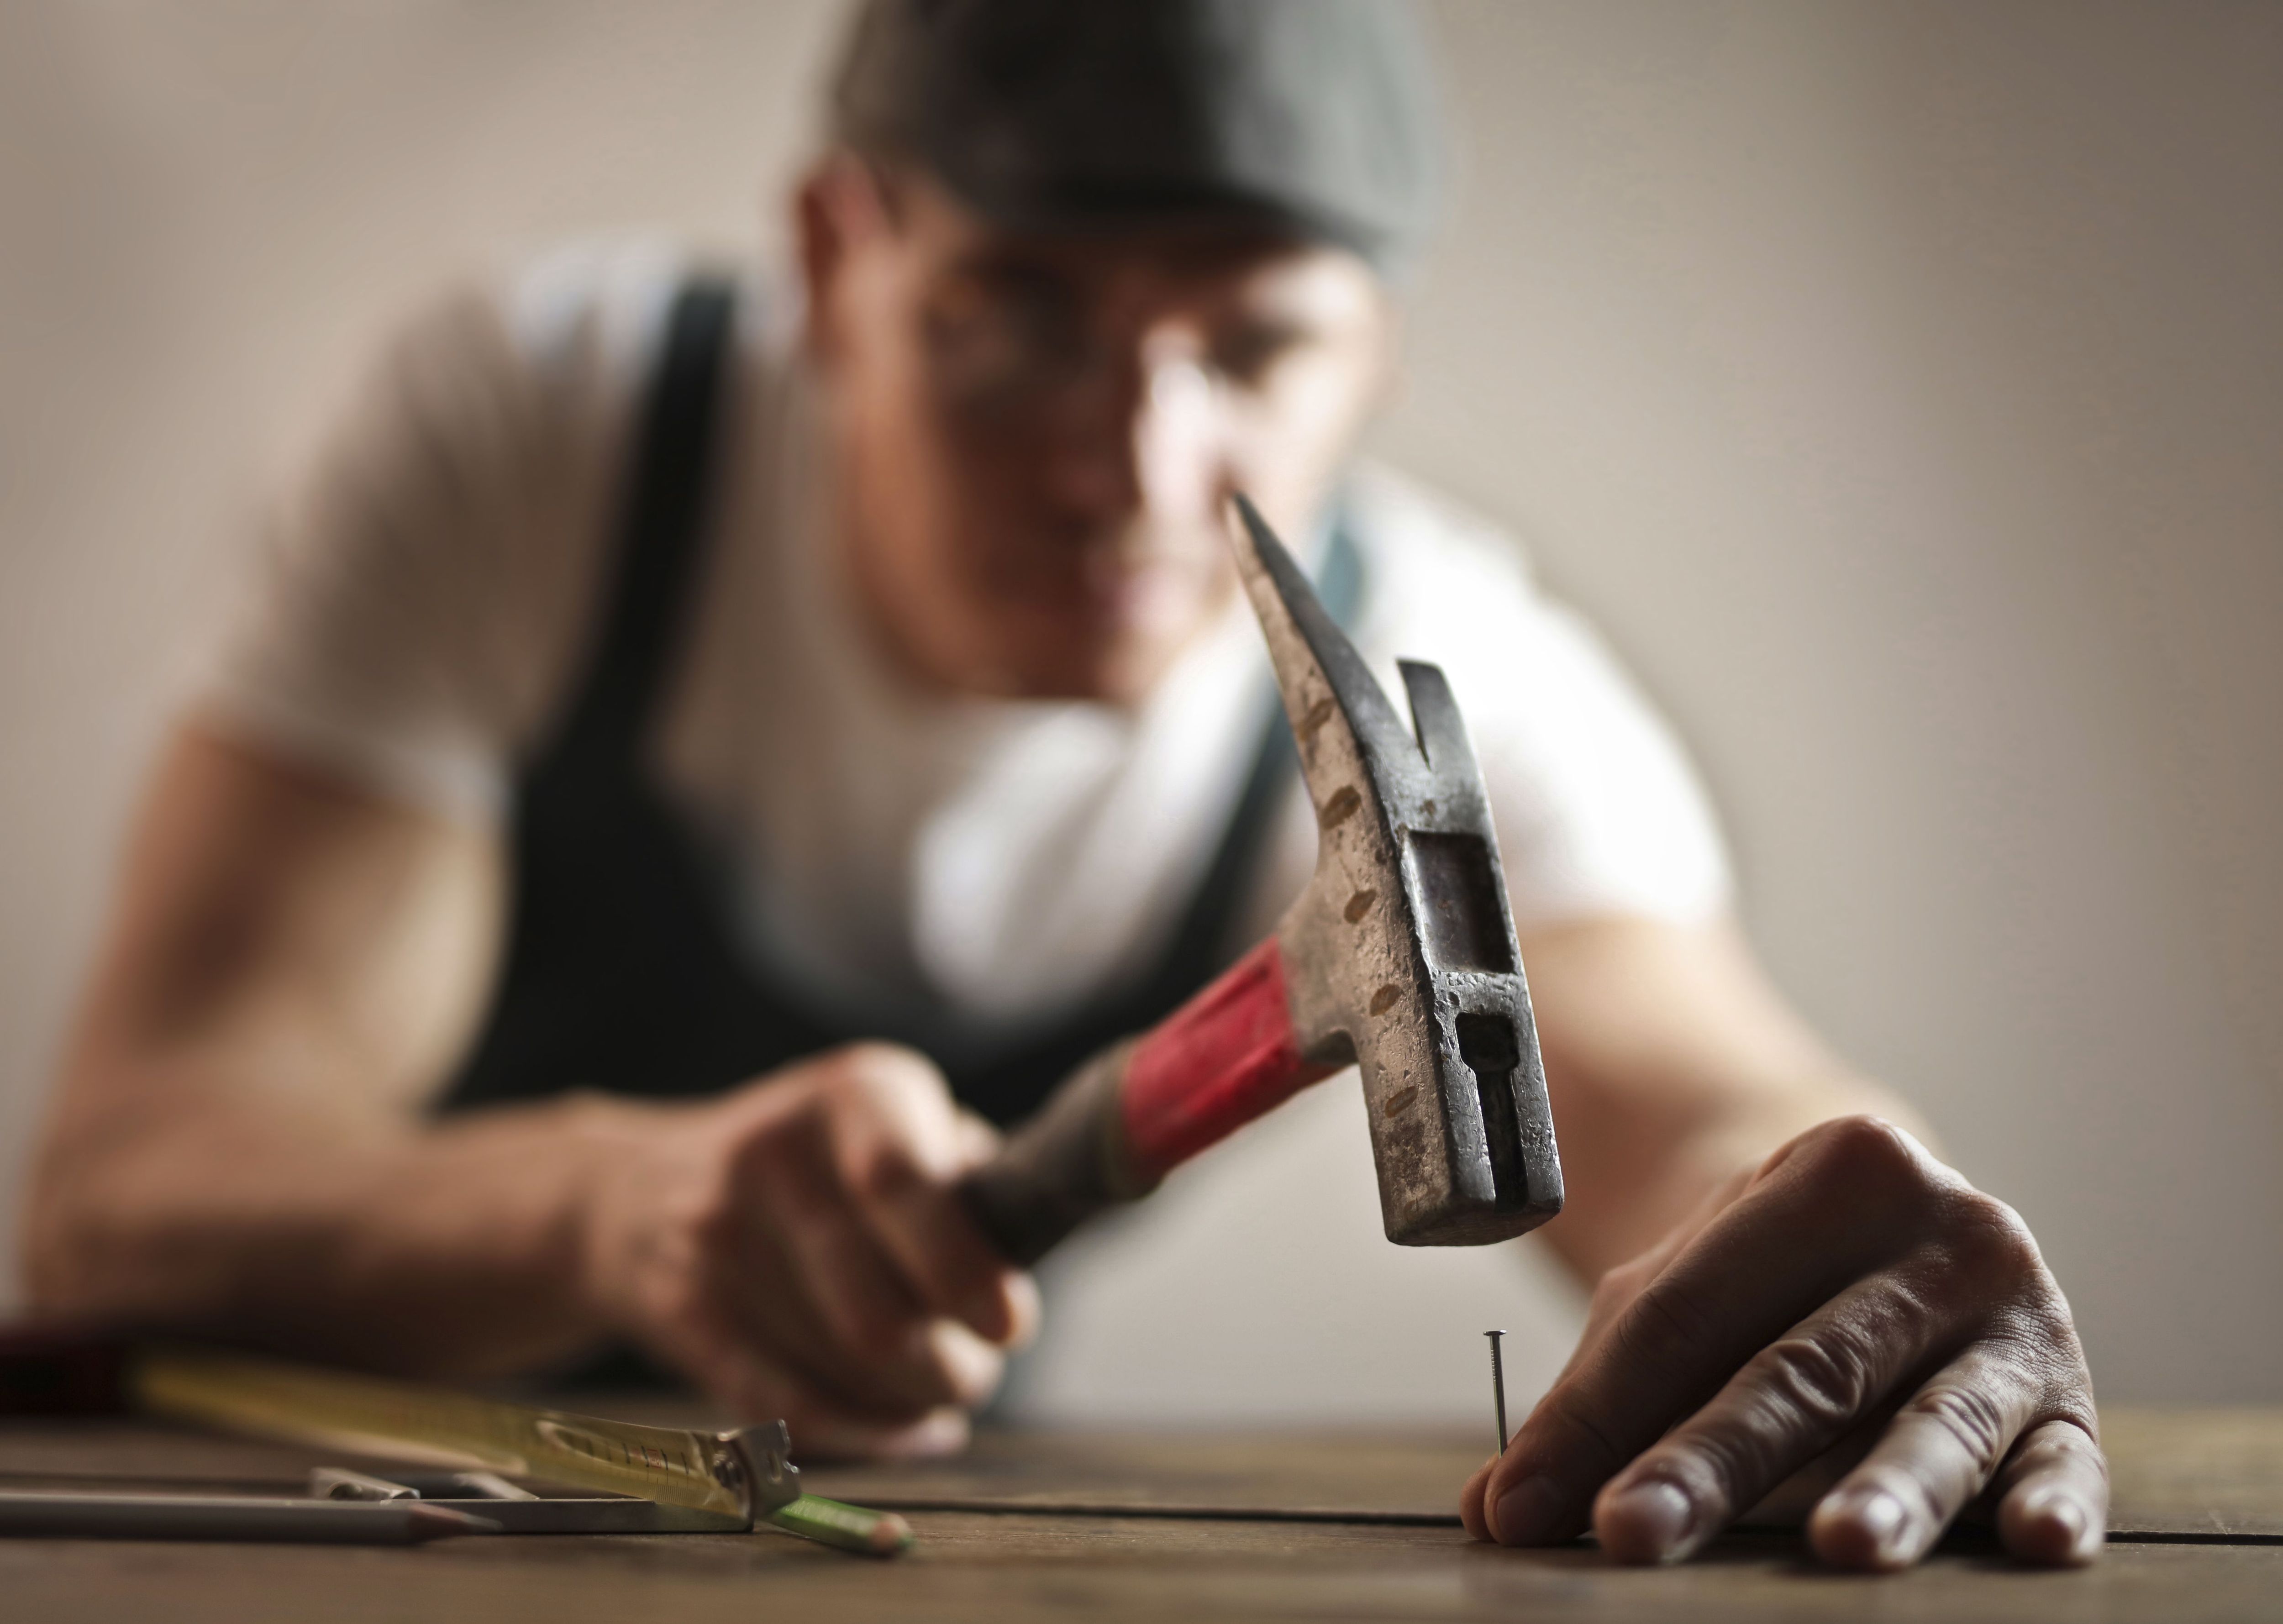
1400,955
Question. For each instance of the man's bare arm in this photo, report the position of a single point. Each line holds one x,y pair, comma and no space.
238,1142
1671,1063
292,965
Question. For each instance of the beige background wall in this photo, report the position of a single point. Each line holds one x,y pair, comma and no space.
1900,384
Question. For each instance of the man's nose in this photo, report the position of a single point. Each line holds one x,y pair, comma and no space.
1178,438
1151,443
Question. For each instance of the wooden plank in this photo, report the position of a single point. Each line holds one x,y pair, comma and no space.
2196,1471
1012,1570
2196,1474
2177,1471
2174,1472
1375,1471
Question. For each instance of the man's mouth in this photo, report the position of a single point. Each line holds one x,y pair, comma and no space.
1109,585
1144,596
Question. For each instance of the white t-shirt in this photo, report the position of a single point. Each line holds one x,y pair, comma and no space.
974,867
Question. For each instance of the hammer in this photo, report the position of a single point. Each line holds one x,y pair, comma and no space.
1399,957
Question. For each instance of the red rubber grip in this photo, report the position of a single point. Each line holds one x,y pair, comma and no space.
1226,1056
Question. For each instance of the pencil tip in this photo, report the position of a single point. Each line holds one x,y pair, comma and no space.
436,1522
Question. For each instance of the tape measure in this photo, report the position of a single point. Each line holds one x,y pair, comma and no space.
709,1480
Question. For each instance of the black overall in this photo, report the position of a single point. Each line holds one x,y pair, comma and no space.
623,971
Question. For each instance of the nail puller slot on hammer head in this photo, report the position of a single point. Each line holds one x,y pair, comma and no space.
1398,958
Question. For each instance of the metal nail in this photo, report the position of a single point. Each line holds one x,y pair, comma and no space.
1498,1385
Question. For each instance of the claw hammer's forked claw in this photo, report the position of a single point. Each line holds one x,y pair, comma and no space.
1399,956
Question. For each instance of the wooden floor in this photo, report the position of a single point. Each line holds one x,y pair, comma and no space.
1201,1527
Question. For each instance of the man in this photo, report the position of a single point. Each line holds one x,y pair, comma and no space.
665,686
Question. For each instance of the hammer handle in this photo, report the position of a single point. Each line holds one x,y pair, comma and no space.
1143,1105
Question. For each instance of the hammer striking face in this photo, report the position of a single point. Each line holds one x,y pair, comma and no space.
1398,958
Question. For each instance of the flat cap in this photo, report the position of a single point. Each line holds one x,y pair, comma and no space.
1316,117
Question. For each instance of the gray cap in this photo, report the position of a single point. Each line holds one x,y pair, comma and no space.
1309,116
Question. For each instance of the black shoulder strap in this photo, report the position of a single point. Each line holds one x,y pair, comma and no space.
661,525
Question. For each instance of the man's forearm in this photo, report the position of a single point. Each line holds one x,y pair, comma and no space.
1674,1065
1751,1126
451,1247
1642,1178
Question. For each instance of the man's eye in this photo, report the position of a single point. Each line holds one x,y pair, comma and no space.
971,342
1014,323
1246,354
963,313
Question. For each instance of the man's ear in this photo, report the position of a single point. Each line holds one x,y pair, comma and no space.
838,210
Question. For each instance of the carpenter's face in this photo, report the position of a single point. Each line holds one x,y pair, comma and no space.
1037,434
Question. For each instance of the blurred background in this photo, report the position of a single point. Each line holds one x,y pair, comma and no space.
1898,384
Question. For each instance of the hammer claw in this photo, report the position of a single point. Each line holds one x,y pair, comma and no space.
1442,732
